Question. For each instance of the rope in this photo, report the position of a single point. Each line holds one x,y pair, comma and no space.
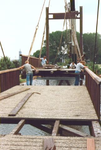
36,31
43,35
96,33
61,36
3,54
2,49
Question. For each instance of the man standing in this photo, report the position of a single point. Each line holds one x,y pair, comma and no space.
72,65
43,61
79,67
29,72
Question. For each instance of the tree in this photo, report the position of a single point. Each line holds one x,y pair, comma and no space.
60,48
89,45
5,63
16,63
57,47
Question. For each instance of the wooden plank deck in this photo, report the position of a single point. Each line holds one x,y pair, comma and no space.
50,102
17,142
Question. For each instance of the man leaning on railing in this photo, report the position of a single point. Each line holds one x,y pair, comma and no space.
79,68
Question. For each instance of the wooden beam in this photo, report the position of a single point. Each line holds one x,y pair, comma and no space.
95,129
49,144
56,128
90,144
73,131
20,105
18,127
14,93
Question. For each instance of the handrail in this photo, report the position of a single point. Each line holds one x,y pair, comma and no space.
93,84
96,78
8,70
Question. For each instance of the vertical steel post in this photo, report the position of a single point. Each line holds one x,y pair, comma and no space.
81,30
72,5
47,33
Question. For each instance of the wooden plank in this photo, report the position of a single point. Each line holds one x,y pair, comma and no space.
18,127
90,144
49,144
96,129
56,128
73,131
20,105
14,93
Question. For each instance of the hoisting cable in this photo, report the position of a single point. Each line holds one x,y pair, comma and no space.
43,35
36,30
2,49
61,37
95,47
3,53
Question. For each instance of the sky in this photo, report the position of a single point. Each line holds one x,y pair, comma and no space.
19,18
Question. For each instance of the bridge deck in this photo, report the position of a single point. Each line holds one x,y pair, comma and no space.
49,102
37,143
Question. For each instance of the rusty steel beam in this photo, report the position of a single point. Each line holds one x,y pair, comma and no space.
71,131
69,15
72,2
47,34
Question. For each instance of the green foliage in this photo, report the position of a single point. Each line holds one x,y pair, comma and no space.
60,48
97,68
57,46
37,53
16,63
89,47
6,63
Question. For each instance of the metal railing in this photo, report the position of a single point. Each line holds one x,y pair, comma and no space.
9,78
93,84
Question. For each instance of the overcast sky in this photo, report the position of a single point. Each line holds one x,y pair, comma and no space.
19,18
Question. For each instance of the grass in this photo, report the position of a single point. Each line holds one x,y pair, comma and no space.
22,80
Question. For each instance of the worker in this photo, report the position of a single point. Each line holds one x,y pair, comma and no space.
72,65
43,61
29,72
79,68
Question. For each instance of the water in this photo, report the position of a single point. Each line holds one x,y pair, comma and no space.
26,130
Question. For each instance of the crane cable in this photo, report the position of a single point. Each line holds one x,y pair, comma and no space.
96,34
43,35
36,31
2,49
3,53
61,36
